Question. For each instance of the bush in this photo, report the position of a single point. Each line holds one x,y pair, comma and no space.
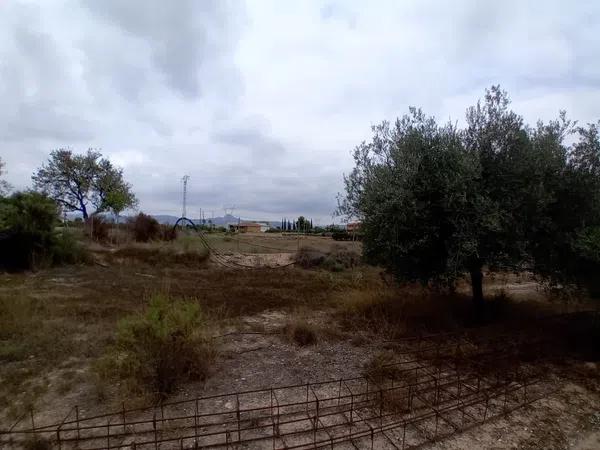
160,347
97,228
27,221
67,250
342,258
145,228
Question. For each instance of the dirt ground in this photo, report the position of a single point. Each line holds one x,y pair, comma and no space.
275,242
78,307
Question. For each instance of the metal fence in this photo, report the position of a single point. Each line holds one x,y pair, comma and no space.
443,385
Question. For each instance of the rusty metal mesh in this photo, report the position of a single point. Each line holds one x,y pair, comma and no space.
443,385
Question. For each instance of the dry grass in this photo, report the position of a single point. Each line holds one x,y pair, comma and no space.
337,259
72,312
275,243
161,254
393,312
67,315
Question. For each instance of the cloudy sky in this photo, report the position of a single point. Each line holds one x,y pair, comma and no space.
261,102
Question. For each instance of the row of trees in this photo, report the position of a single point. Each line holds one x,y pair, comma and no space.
302,225
437,201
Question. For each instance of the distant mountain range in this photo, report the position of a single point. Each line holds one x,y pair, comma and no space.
221,221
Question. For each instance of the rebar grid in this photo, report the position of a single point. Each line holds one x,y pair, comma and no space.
442,387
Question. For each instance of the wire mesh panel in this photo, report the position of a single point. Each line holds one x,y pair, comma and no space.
439,387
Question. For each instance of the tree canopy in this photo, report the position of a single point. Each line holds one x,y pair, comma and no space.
4,186
77,181
437,201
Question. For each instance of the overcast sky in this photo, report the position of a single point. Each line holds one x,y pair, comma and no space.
261,102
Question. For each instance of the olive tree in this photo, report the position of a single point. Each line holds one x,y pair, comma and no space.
4,186
437,202
77,181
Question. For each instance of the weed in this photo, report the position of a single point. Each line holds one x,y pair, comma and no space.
378,368
340,258
301,332
308,257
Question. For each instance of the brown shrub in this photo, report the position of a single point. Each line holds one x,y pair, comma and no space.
336,260
340,258
301,332
308,257
145,228
97,228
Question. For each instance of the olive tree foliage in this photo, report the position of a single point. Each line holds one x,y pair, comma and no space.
437,202
4,186
77,181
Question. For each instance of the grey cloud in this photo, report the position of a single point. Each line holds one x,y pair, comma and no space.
261,145
184,37
44,120
262,102
35,87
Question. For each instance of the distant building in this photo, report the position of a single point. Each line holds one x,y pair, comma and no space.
264,226
353,227
246,227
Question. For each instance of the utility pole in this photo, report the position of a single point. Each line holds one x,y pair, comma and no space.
185,181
